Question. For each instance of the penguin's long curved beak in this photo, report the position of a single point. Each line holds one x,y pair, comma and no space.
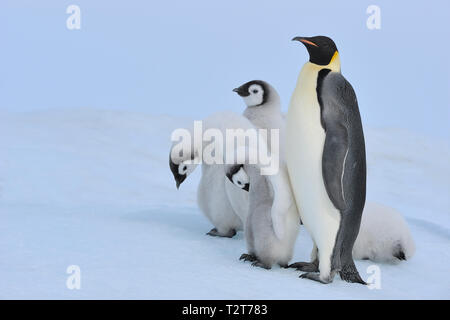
305,41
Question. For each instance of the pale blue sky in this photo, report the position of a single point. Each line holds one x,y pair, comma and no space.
185,57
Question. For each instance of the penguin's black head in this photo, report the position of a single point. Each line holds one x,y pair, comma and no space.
239,177
181,169
321,49
255,93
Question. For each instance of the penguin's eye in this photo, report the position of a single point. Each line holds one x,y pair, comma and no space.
183,169
255,91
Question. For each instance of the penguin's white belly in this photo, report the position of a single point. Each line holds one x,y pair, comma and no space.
238,200
304,149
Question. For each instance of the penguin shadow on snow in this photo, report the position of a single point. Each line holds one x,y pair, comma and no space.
182,221
188,224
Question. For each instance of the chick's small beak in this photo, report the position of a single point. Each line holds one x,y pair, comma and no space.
179,180
241,91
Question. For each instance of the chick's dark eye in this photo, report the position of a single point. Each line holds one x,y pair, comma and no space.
255,91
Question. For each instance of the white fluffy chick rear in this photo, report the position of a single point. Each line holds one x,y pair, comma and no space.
384,236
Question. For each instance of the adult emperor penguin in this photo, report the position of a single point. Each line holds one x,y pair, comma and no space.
325,154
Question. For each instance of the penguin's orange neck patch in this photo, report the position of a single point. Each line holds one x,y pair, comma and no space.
335,62
335,55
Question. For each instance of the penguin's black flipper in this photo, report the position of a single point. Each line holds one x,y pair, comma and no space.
343,159
343,164
334,103
333,164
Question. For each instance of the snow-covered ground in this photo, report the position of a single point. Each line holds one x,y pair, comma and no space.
92,188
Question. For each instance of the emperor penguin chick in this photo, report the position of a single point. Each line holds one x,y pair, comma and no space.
263,104
222,203
384,236
272,223
263,108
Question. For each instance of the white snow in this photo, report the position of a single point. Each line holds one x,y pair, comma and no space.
93,188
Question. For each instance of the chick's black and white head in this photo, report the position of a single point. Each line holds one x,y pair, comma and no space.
181,167
239,177
255,93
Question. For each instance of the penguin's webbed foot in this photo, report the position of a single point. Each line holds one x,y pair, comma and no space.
400,255
254,260
215,233
305,266
261,265
315,277
248,257
349,273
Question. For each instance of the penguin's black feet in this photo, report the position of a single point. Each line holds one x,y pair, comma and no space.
349,273
306,266
315,277
261,265
248,257
400,255
254,259
215,233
